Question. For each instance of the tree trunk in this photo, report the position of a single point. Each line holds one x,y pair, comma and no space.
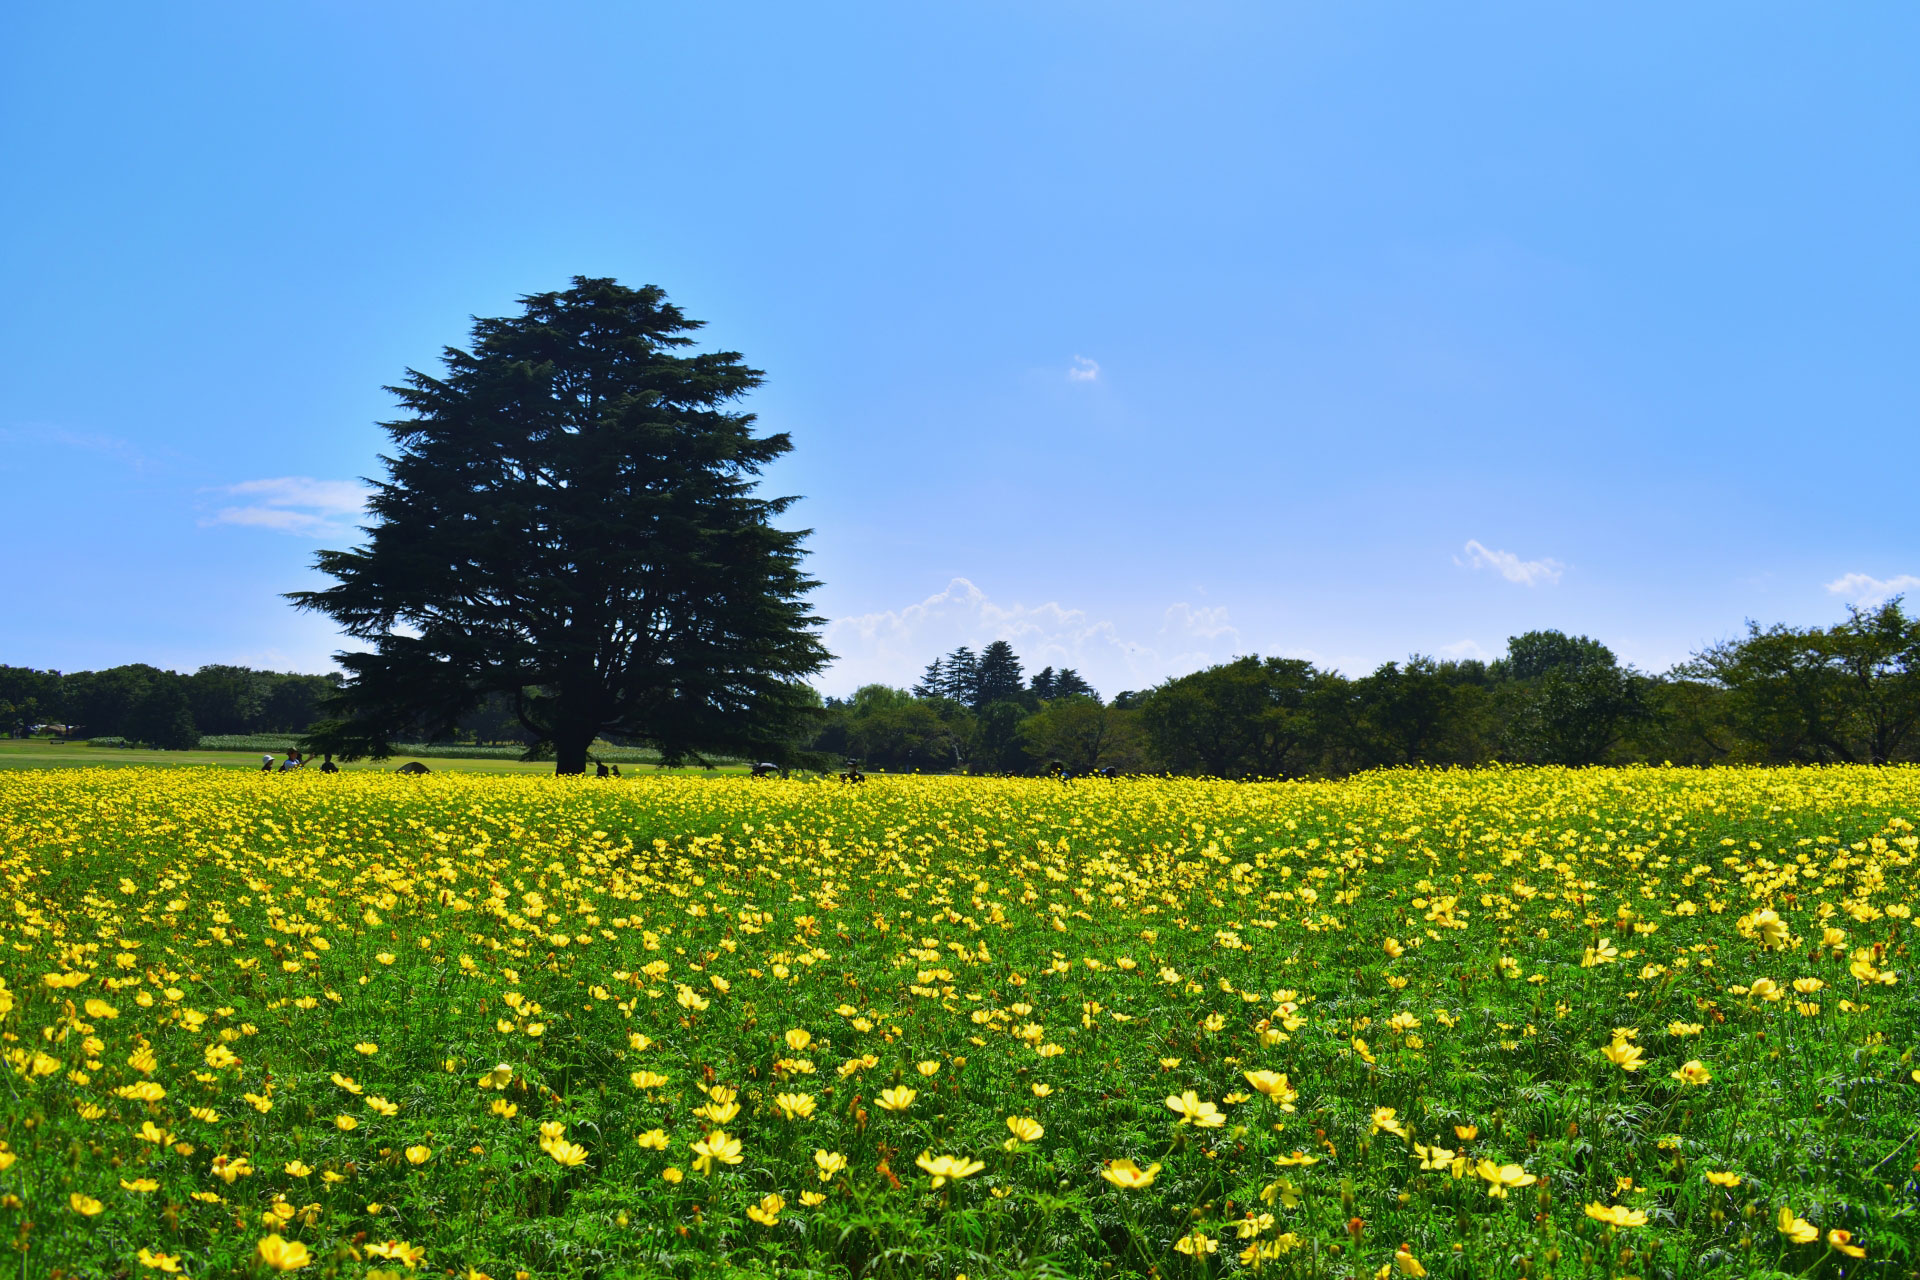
570,753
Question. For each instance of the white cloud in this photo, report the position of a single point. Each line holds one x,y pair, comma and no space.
1083,370
1868,591
295,504
1460,650
1528,573
893,646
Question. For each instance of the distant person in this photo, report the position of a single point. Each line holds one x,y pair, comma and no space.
292,762
853,773
328,766
766,769
413,768
616,771
266,764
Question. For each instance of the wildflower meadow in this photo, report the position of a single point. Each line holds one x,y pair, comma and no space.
1643,1022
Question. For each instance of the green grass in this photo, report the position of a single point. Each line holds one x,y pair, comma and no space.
44,753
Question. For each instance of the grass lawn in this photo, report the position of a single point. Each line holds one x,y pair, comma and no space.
44,753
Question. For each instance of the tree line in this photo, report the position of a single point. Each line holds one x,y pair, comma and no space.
159,708
1848,693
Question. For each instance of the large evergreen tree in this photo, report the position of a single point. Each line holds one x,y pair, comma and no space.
997,678
569,519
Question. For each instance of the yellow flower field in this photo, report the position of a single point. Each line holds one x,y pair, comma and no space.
1648,1022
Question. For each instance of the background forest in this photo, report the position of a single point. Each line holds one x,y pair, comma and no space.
1849,693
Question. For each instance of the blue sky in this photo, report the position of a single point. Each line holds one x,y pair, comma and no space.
1139,335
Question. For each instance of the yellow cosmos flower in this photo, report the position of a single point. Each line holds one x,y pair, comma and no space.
381,1105
228,1168
1384,1122
1625,1055
1192,1110
767,1212
84,1205
566,1154
1197,1245
829,1163
504,1109
1274,1086
1434,1157
1617,1215
652,1140
419,1154
798,1039
1501,1178
167,1262
795,1106
298,1169
716,1147
1720,1179
367,1047
399,1251
1770,930
812,1199
140,1186
283,1255
898,1099
1127,1175
647,1079
1393,948
1842,1241
498,1078
1025,1129
346,1124
1693,1072
1798,1230
943,1168
926,1068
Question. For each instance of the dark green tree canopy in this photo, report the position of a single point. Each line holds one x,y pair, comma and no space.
569,518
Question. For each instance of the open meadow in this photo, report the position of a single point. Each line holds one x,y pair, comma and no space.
1646,1022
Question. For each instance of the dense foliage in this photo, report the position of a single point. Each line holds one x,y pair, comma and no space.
1655,1022
144,704
1847,693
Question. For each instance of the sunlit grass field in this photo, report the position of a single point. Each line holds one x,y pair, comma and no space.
46,753
1650,1022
